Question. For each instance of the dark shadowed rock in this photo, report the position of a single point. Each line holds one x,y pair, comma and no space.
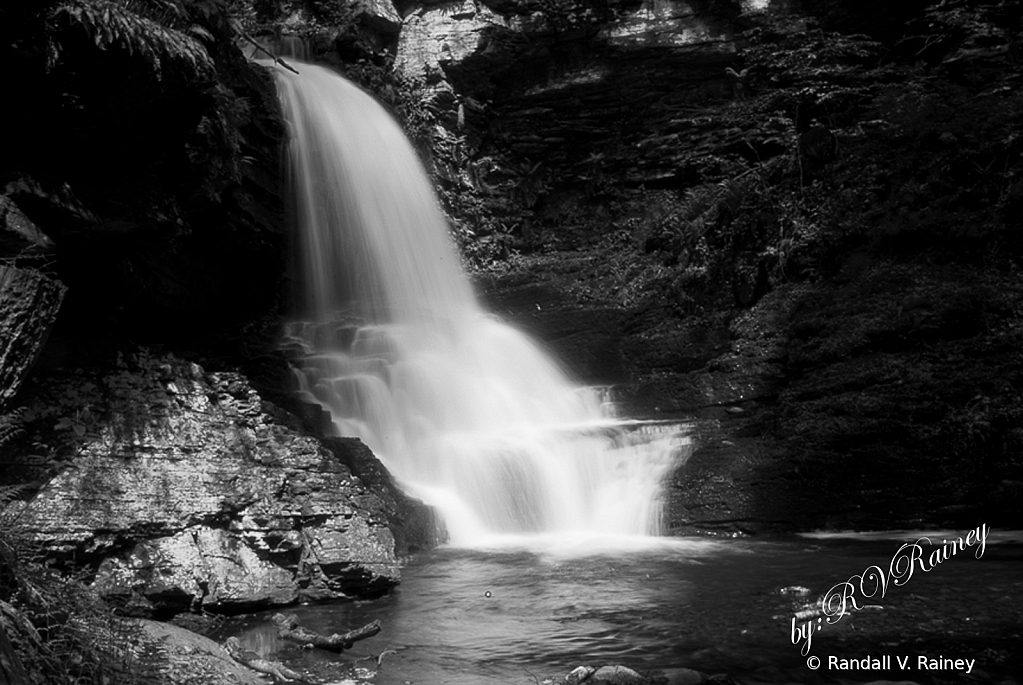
19,237
29,302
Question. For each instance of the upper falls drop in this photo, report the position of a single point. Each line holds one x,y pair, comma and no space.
465,411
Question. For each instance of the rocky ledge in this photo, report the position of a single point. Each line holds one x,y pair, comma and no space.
186,490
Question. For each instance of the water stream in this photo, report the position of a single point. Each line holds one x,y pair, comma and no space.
466,412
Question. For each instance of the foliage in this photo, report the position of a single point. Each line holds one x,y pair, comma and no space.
62,632
564,17
954,28
139,106
486,202
10,426
927,166
24,465
142,29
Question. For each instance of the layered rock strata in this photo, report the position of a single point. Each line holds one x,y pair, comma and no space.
191,492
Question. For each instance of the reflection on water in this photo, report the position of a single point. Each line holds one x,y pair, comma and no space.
499,615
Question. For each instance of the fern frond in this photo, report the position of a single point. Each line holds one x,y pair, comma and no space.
112,25
9,493
10,426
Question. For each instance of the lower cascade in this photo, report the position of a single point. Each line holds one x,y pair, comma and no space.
466,412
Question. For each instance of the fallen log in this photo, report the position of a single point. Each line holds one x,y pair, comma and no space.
289,629
257,663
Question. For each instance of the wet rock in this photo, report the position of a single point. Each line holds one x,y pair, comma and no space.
579,674
188,491
615,675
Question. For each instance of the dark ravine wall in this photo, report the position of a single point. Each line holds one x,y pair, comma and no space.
840,323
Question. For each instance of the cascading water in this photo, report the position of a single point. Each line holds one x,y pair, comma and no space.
465,411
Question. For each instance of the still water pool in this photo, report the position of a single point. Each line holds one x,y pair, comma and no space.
525,610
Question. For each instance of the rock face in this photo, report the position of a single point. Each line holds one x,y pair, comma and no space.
189,491
29,302
580,87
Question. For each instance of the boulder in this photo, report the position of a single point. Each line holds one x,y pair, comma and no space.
187,490
615,675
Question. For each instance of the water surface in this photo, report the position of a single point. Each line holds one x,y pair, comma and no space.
534,606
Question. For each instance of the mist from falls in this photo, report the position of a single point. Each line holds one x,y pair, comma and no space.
465,411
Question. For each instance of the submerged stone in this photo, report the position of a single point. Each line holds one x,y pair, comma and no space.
615,675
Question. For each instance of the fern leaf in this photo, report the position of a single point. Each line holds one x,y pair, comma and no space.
10,425
115,26
201,33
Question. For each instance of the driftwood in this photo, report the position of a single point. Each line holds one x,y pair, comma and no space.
289,629
275,58
28,307
257,663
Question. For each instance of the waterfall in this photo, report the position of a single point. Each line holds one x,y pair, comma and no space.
465,411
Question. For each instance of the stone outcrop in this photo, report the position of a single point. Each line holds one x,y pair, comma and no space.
188,491
29,302
579,89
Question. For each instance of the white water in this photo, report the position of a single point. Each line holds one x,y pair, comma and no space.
467,412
